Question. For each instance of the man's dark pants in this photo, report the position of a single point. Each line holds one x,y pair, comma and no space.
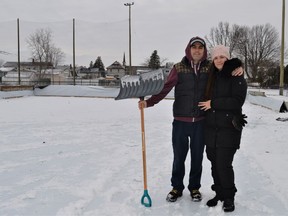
187,135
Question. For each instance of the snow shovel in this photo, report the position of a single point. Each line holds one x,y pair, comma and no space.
149,83
137,86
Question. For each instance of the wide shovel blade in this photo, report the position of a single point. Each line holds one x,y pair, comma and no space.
137,86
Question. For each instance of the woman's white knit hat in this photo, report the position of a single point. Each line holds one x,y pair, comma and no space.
220,50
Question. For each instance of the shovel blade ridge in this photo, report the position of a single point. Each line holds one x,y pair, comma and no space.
136,86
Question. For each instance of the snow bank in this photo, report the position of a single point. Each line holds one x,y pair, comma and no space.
274,103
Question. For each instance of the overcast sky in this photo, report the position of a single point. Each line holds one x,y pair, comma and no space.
102,25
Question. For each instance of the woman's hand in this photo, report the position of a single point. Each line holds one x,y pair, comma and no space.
206,105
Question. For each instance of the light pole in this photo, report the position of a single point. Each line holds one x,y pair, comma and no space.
18,40
129,5
281,84
74,73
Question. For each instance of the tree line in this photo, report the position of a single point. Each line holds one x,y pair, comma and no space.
257,46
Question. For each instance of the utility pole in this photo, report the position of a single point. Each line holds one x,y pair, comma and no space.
130,64
74,72
18,41
281,85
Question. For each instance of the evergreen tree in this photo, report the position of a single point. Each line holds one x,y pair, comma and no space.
91,64
154,62
99,64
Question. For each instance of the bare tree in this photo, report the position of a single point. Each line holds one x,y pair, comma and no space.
219,35
263,46
43,50
56,56
40,43
241,49
255,46
226,35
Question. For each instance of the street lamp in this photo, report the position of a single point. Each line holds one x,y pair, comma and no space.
129,5
281,85
18,40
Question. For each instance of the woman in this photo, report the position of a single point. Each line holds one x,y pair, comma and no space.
224,121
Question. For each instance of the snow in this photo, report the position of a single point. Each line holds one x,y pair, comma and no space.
69,156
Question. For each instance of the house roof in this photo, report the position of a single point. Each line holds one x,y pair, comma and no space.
116,65
89,70
6,69
28,64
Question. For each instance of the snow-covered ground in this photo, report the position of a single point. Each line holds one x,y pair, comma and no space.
69,156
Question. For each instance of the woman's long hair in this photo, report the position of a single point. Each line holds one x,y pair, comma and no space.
211,81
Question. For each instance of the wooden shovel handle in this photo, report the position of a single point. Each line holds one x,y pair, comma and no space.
143,146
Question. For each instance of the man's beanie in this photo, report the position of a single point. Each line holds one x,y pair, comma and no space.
220,50
197,39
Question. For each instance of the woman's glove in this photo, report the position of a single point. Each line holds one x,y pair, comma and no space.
239,121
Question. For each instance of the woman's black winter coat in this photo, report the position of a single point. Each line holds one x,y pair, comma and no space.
228,96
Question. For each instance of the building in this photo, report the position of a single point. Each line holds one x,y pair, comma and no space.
116,70
33,66
29,72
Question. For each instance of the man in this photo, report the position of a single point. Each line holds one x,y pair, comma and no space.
189,77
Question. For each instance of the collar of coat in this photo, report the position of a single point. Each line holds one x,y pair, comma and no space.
229,66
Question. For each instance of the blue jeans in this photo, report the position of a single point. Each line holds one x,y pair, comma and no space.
187,135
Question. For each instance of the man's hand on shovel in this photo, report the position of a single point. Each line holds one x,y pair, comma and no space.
142,104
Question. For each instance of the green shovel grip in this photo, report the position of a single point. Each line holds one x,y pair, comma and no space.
148,200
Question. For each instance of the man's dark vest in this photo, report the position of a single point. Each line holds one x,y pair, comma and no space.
189,90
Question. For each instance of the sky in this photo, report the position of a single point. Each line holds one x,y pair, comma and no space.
102,26
82,156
